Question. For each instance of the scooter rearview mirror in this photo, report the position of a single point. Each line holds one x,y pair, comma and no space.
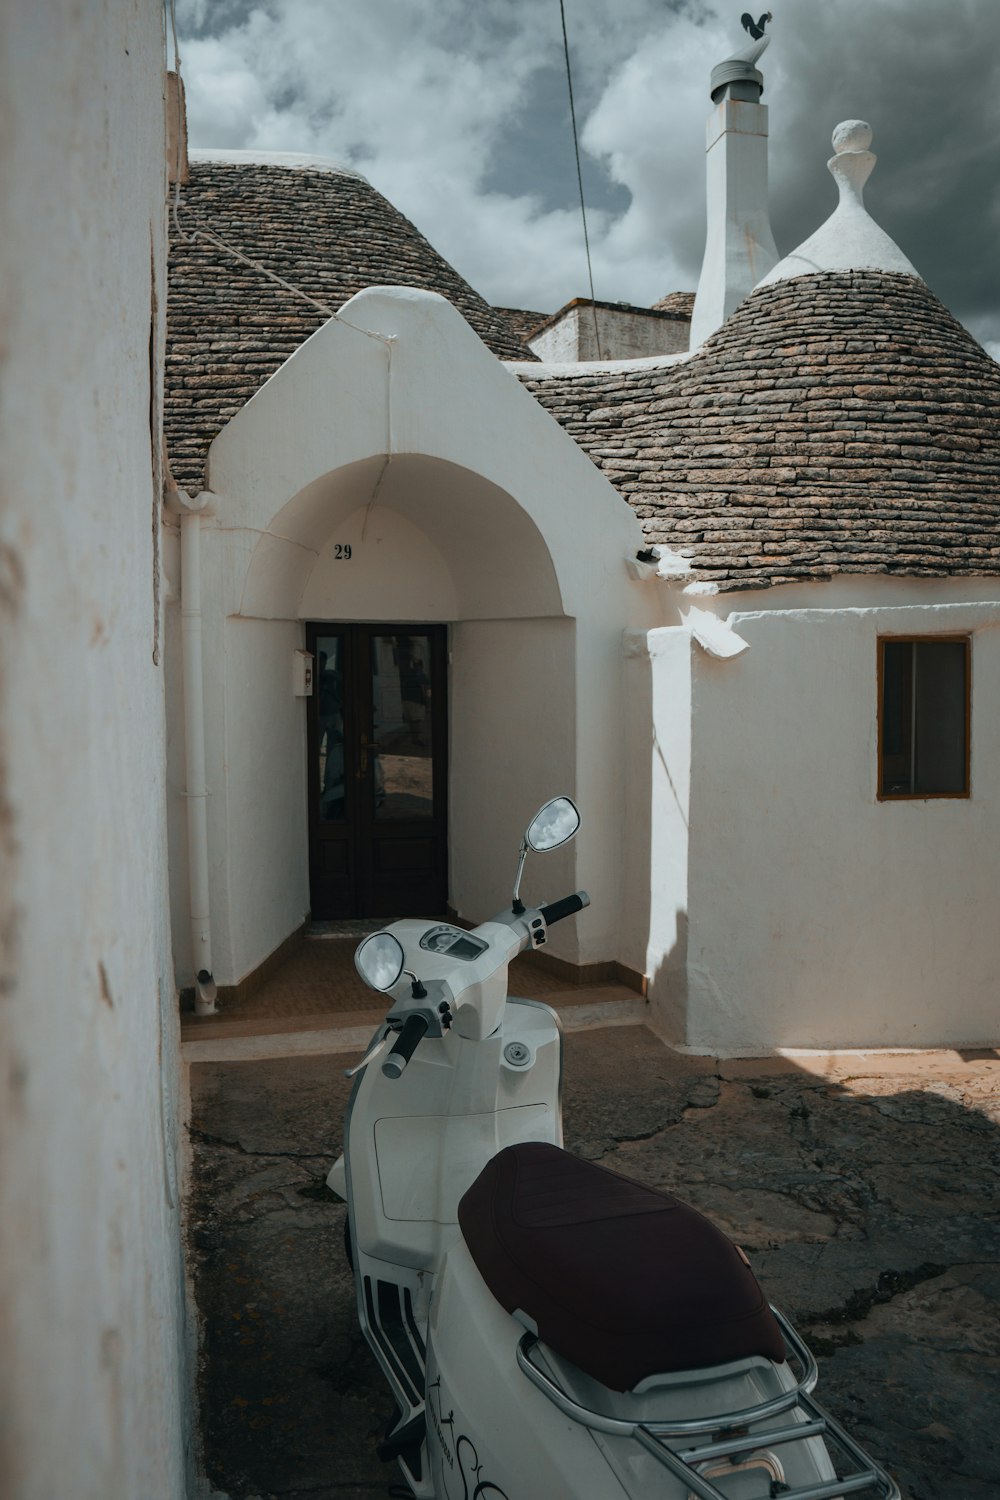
379,960
553,824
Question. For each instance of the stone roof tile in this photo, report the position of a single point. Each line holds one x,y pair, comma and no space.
839,423
676,302
229,327
523,322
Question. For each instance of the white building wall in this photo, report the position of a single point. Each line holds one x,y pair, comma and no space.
394,572
818,916
265,789
91,1312
513,713
624,333
658,675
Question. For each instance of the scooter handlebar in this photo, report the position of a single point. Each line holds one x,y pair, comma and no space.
564,908
405,1045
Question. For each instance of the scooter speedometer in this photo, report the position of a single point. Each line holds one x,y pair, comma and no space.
452,941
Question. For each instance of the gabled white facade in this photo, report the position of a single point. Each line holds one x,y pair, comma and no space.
395,431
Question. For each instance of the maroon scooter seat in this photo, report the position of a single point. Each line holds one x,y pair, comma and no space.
620,1279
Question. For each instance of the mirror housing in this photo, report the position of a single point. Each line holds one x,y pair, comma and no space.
379,960
553,825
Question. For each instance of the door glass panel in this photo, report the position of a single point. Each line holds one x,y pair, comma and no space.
330,756
401,726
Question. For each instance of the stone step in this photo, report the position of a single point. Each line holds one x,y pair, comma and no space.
220,1038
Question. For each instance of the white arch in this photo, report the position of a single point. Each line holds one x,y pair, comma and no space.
484,555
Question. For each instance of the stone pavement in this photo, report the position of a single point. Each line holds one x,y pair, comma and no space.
864,1188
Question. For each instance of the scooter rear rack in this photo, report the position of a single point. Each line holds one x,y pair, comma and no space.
728,1435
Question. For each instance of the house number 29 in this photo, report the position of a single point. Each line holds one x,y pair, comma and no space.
342,551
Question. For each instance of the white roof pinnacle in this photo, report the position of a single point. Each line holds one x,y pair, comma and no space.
850,240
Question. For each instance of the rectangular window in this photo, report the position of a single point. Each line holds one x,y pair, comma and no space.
923,716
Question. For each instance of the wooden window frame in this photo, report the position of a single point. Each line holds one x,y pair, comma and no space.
966,793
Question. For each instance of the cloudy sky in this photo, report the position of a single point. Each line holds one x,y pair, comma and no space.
457,111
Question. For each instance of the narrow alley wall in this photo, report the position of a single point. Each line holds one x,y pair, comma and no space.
91,1308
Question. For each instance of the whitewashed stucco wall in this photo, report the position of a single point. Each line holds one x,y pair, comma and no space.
514,691
657,674
265,790
91,1308
816,915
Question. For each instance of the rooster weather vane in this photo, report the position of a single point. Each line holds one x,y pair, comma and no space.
755,28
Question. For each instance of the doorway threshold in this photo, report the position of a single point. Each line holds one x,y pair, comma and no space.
347,927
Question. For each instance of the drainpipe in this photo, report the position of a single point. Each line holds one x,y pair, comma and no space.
196,791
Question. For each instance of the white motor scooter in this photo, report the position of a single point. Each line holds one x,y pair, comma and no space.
549,1330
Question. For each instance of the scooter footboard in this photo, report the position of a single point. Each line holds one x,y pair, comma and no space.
392,1310
392,1303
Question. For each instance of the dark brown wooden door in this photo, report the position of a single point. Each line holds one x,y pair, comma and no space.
377,742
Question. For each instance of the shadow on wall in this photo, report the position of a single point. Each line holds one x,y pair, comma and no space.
637,849
667,987
865,1203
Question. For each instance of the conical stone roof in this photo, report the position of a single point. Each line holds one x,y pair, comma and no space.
836,423
320,227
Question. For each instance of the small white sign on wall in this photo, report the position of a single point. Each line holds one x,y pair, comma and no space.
302,674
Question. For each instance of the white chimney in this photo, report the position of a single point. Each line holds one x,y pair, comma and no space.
739,245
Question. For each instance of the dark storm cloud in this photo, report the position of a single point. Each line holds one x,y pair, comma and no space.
457,110
926,76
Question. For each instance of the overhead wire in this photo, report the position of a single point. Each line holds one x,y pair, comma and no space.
198,229
579,175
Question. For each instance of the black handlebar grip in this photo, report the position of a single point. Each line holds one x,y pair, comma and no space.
405,1045
564,908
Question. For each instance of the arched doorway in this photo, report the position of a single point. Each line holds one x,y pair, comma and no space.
437,632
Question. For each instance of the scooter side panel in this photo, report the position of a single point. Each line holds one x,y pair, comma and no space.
489,1432
336,1178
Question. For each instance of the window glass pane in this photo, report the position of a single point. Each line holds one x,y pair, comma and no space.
897,718
940,716
401,729
330,711
923,718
